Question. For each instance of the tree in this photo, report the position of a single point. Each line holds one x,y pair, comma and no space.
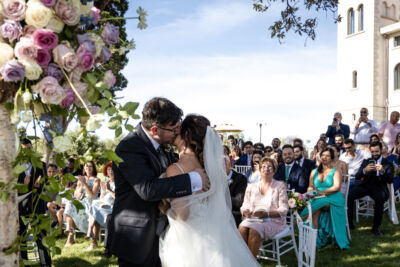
291,21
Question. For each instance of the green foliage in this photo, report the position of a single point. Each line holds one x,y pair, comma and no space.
290,19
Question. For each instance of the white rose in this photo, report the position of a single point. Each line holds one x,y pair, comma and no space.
292,203
37,14
27,97
62,143
27,116
32,69
94,122
6,53
55,24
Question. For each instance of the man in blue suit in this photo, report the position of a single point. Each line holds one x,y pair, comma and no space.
337,127
245,159
290,172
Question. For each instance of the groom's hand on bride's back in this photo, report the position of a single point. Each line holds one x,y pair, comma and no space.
204,179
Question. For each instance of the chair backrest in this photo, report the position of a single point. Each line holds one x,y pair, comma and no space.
307,245
346,193
241,168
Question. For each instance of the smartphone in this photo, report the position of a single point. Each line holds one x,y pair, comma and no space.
371,161
334,119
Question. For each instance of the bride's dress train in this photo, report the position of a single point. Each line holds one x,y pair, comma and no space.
202,231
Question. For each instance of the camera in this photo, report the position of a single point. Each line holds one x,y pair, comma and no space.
334,119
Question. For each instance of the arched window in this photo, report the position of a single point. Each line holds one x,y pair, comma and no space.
350,21
392,12
397,77
384,10
354,82
353,116
360,18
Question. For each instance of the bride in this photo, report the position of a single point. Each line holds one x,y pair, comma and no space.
202,231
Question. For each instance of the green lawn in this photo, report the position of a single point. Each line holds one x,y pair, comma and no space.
366,250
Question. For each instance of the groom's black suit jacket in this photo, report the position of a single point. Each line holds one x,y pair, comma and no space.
138,191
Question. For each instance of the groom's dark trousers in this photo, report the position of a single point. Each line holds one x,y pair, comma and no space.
138,191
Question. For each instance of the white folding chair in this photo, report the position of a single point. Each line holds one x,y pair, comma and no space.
346,179
241,168
391,205
307,240
280,244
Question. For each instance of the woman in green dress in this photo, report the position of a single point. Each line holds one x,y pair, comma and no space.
329,215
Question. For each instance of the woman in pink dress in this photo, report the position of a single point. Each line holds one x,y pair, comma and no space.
264,208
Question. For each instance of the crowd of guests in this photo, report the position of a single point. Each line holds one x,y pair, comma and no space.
371,157
96,198
369,161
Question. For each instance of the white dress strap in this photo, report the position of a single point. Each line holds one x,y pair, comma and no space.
179,167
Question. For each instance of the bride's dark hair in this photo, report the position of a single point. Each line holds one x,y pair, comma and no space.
193,132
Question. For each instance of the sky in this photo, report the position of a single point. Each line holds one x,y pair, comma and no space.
216,58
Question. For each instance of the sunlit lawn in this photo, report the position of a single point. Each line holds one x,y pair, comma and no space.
366,250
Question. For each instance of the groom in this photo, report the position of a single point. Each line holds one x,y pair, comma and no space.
136,221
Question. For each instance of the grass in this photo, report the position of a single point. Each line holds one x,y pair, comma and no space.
366,250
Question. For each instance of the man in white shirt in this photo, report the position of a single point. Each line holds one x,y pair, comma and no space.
353,157
363,129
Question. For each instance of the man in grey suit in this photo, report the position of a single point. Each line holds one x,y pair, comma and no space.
136,221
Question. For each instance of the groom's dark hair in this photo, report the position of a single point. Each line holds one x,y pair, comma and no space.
161,112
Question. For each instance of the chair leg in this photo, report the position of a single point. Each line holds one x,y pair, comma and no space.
294,244
357,208
278,252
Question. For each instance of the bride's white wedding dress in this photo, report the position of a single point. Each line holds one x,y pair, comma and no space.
202,231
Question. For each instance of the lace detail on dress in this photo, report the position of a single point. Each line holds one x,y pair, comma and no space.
179,167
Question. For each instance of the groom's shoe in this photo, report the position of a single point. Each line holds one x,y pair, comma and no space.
377,232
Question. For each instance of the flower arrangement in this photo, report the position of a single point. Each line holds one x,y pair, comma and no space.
297,201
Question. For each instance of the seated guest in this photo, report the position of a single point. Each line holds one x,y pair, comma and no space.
227,152
321,144
337,163
71,168
307,164
290,172
52,206
391,158
396,147
86,190
236,152
373,138
268,151
237,186
259,146
375,173
299,142
267,200
245,159
339,141
328,210
276,144
353,157
102,207
363,129
253,174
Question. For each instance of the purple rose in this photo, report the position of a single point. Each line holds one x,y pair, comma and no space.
54,70
82,37
105,54
89,46
68,13
110,33
11,30
45,39
69,98
13,71
86,58
43,58
95,13
48,3
50,91
109,78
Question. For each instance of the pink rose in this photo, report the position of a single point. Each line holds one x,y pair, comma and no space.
43,58
95,13
48,3
109,78
45,39
11,30
67,13
50,91
301,196
75,74
68,99
85,58
14,9
65,56
81,88
25,49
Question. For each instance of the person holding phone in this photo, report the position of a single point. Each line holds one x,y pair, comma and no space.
374,173
337,127
363,129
